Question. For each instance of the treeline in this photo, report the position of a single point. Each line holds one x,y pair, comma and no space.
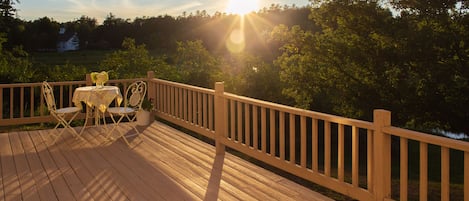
341,57
157,33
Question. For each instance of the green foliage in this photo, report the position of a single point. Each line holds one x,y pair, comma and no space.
147,104
14,66
74,72
365,58
250,76
134,61
195,64
6,8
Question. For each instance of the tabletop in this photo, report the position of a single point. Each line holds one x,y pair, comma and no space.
99,97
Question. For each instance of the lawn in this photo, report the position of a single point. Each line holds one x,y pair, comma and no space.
79,58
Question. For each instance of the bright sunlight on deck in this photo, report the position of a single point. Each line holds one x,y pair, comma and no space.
163,164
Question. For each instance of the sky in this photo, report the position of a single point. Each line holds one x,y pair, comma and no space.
70,10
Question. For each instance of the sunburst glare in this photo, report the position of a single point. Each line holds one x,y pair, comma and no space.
242,7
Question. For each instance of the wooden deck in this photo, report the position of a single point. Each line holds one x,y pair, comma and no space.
163,164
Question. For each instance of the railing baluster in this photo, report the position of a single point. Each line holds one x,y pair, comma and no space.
199,109
247,127
31,105
327,148
61,95
423,171
204,110
263,130
172,102
41,97
404,160
445,162
226,107
210,113
239,133
255,127
190,112
21,102
272,132
282,134
292,139
11,102
303,141
466,176
194,108
355,156
70,95
314,143
233,119
181,103
176,102
1,103
184,104
166,98
341,157
369,155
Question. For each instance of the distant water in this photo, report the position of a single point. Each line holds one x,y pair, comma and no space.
457,136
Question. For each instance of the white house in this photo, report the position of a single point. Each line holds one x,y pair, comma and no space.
67,41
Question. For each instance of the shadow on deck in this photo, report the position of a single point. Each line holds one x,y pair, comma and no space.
162,164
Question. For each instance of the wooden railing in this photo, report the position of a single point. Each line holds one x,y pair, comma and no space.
352,157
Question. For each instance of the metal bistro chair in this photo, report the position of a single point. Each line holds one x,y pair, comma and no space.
61,114
133,99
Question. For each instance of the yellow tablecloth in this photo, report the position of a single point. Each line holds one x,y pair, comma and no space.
95,97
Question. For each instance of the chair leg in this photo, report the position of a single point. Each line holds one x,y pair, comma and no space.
66,126
133,123
116,124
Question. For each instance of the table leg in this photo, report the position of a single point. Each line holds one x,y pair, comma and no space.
87,116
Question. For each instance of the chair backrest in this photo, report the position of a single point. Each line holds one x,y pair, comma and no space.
48,92
135,94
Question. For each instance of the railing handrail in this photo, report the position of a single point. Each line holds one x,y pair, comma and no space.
302,112
428,138
35,84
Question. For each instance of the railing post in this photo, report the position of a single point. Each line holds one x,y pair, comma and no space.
381,155
220,121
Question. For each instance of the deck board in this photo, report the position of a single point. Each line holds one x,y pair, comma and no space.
28,186
162,164
11,184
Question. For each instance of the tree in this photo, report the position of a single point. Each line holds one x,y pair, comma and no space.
43,34
365,58
7,9
195,64
249,75
134,61
8,24
14,65
113,31
85,28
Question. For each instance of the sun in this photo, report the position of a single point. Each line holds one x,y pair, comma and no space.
242,7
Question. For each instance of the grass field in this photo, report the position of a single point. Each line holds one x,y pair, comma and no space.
79,58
